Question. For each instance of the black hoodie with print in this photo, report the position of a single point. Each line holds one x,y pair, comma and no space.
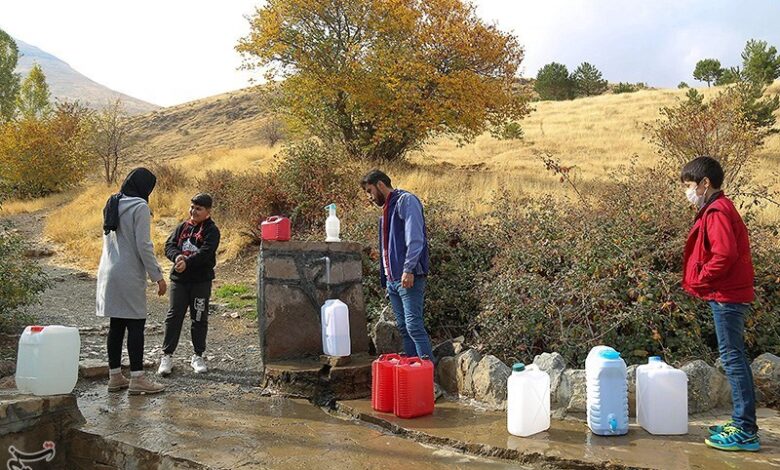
198,243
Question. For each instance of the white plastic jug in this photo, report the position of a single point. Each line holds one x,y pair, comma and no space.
661,398
332,225
335,328
528,400
47,362
607,392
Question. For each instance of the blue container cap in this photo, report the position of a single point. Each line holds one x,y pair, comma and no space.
518,367
609,354
654,359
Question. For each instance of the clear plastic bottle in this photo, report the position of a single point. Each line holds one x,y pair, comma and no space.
332,225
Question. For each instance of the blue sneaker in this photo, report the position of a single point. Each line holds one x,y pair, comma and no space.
718,428
734,439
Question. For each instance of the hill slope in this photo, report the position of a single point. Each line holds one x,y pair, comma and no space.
227,121
66,83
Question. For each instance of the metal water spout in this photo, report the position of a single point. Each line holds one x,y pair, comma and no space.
327,269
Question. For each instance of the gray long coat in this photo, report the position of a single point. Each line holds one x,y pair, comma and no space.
128,257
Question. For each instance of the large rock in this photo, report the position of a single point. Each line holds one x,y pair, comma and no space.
766,375
489,381
447,374
707,388
386,337
467,361
554,364
572,391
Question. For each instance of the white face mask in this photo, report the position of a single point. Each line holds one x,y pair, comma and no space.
694,198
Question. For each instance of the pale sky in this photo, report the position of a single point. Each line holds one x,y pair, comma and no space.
172,51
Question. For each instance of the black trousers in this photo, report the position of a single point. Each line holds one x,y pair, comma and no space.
135,342
184,295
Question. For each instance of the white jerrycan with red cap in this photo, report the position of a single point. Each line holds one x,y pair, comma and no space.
47,362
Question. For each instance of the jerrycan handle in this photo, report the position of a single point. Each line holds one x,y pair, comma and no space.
388,357
407,361
273,218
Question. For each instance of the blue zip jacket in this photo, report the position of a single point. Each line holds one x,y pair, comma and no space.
407,241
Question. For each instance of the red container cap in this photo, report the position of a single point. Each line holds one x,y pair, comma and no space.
36,329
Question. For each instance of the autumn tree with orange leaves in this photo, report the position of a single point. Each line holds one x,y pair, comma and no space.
381,77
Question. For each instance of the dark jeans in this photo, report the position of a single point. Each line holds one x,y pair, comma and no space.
184,295
730,329
135,342
408,307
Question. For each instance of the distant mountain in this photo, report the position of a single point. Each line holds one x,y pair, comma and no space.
66,83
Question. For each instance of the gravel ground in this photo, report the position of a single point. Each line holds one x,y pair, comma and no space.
232,353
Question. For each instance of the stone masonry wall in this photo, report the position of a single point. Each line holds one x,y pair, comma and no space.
291,289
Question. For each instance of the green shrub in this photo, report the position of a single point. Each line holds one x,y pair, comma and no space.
23,281
606,270
624,88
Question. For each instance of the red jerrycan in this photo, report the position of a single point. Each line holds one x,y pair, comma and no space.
275,228
413,388
382,383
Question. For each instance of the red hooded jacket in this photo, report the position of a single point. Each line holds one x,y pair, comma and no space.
717,263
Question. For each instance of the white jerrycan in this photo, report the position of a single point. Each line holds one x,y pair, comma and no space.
332,225
334,315
607,392
528,400
47,362
661,398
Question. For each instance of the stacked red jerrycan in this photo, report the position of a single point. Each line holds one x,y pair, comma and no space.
383,382
276,228
413,388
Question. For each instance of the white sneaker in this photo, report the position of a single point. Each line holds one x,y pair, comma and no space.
166,365
198,364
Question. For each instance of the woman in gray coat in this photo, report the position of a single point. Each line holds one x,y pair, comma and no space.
128,257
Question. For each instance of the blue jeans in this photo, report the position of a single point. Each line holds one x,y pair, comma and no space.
730,329
408,307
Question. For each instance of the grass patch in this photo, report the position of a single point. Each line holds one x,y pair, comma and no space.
238,297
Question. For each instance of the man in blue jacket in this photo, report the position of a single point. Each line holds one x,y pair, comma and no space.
403,249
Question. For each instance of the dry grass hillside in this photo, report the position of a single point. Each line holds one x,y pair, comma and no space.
226,121
595,134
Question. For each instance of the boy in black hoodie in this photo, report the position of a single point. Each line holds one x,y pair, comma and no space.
193,249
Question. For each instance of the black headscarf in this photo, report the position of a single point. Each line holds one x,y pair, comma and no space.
139,183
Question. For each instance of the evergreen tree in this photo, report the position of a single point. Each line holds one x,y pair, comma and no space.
9,80
729,76
707,70
33,99
554,83
588,81
760,62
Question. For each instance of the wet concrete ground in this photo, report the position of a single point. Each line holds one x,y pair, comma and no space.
229,426
569,441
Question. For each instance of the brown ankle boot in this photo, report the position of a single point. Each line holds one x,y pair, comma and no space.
142,386
117,382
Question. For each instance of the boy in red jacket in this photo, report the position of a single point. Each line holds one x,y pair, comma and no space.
718,268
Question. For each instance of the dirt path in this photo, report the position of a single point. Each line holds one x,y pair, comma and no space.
232,343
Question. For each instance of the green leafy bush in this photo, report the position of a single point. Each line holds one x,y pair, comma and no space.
23,281
624,88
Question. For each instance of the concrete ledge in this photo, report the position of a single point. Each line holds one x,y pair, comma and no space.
309,378
27,422
569,444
